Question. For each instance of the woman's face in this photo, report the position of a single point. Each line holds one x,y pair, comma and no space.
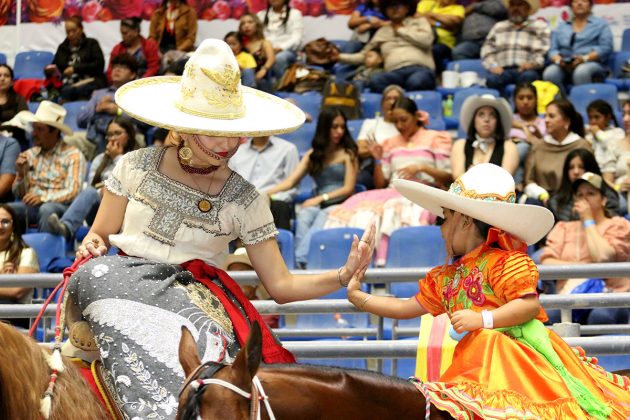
580,7
557,125
337,129
6,225
397,12
576,168
406,123
5,79
597,119
73,33
485,121
248,26
592,196
116,135
388,101
220,147
234,44
128,35
626,117
525,102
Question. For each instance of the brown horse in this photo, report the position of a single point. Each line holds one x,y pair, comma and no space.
24,377
294,391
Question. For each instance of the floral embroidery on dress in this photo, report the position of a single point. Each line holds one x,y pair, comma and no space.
467,288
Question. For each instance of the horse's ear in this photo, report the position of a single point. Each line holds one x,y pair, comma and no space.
254,348
188,356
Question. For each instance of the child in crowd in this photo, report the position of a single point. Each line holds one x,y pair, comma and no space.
372,64
604,133
245,60
506,364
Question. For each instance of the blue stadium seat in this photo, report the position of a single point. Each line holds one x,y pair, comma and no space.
436,124
3,58
309,102
370,104
354,127
428,101
47,246
582,95
32,106
620,59
302,137
415,246
287,248
329,247
468,65
30,64
625,40
73,110
458,100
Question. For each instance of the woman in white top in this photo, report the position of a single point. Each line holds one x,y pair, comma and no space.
16,258
604,134
173,211
285,30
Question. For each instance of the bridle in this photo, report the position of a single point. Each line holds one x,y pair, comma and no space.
258,393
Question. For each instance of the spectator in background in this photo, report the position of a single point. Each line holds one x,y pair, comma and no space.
10,131
16,258
174,29
480,17
579,48
565,132
486,120
445,17
576,164
405,45
50,174
80,61
283,27
121,139
372,65
596,237
246,61
10,102
622,154
101,109
251,32
333,164
267,162
515,49
364,21
604,133
145,51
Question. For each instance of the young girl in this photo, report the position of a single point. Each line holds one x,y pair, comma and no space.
604,136
245,60
491,283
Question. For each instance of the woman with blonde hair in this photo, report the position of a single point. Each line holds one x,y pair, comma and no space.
251,30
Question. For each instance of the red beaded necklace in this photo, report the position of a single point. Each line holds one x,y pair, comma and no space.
193,169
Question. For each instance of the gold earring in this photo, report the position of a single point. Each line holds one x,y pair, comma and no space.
185,152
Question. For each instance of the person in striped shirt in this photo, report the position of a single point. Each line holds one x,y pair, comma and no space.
49,174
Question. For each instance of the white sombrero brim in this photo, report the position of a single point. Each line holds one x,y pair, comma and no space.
29,117
153,101
526,222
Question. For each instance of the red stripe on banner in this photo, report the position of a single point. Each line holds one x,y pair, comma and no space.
434,348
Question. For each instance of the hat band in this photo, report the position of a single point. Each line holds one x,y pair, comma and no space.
218,116
458,188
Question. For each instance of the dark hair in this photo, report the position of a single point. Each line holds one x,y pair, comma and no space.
410,4
132,23
16,244
564,194
603,108
126,124
566,108
76,19
11,94
525,86
482,227
126,60
287,8
321,139
499,140
408,105
234,34
165,2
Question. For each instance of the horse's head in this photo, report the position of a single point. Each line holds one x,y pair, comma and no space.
214,398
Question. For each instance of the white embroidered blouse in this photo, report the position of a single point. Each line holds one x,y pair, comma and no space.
163,223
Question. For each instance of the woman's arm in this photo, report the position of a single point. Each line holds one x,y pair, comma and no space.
449,22
349,183
598,247
458,160
284,286
510,157
109,219
356,19
270,54
17,293
295,177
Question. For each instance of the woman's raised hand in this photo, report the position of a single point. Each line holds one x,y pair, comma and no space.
360,254
92,246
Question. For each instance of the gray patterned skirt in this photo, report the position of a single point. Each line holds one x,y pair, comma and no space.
136,308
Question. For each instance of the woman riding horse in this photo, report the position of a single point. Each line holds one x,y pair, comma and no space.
172,211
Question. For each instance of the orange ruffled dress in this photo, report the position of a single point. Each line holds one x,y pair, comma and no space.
492,375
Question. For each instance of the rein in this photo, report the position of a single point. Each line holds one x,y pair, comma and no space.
258,393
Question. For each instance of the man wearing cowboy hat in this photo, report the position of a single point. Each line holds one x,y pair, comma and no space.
49,174
515,49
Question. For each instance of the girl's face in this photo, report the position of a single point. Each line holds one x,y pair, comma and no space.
555,122
576,168
406,123
593,197
220,148
597,119
6,225
248,26
117,134
485,121
525,102
626,117
5,79
234,44
337,129
453,231
388,101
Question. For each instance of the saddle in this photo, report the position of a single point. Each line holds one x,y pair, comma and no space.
93,374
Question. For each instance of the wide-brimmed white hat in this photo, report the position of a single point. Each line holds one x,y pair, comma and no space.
534,5
48,113
486,193
208,99
474,102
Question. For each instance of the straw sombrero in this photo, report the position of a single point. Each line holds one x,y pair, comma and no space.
486,193
208,99
48,113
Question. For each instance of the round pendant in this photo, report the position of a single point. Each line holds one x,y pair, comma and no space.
185,153
204,205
